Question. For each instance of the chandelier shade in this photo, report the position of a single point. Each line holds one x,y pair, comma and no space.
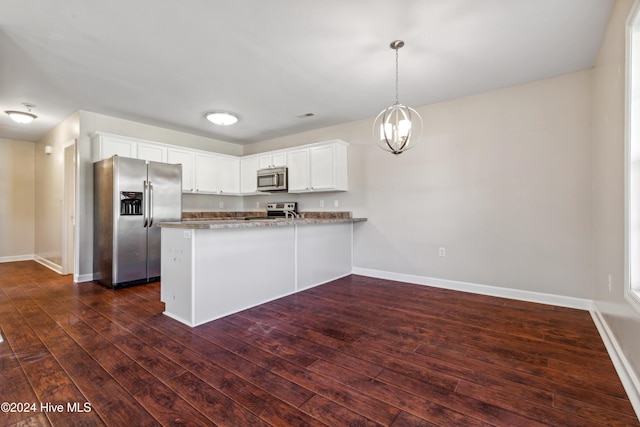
397,128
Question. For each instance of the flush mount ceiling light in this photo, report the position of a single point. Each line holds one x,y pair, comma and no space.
222,118
22,116
398,127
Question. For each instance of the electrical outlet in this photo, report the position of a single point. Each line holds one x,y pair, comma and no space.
442,252
221,204
335,203
609,282
322,203
257,205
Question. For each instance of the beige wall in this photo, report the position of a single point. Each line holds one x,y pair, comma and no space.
500,179
17,186
608,188
49,177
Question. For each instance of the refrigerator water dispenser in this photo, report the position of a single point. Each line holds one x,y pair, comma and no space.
130,203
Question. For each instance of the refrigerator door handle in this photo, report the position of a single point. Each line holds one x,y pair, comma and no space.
150,204
145,202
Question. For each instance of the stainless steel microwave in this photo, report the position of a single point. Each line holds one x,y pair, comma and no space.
272,179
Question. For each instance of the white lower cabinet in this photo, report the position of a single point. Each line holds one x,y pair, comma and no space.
323,253
211,273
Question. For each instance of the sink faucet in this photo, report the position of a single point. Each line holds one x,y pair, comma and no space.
292,213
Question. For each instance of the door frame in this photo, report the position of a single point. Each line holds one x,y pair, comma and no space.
70,262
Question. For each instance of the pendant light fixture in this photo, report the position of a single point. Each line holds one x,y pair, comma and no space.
22,117
398,127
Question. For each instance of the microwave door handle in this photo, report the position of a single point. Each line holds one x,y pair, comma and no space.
275,179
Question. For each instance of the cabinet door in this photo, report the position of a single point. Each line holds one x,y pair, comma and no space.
298,164
272,160
152,152
248,176
265,162
106,146
206,172
322,168
187,160
279,159
228,175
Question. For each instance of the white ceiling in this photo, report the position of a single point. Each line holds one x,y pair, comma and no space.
167,63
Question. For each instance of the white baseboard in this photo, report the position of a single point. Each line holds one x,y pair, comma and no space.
518,294
51,265
15,258
628,377
83,278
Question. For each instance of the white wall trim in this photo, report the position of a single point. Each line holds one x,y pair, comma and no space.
77,278
51,265
518,294
15,258
80,278
625,371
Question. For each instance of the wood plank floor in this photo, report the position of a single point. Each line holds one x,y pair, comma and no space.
357,351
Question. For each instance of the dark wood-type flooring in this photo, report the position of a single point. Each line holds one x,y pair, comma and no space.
357,351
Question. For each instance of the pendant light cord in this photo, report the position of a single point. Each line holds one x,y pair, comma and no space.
397,99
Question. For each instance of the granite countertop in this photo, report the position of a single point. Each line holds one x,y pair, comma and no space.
217,220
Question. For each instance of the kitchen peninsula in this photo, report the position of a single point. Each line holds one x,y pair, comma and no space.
212,268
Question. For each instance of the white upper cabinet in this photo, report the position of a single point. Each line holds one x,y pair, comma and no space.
272,160
298,170
321,167
217,174
313,167
248,175
106,146
188,161
228,175
206,173
152,152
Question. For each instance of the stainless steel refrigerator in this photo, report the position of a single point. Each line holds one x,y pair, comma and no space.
131,197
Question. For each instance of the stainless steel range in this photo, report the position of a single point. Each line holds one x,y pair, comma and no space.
279,210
